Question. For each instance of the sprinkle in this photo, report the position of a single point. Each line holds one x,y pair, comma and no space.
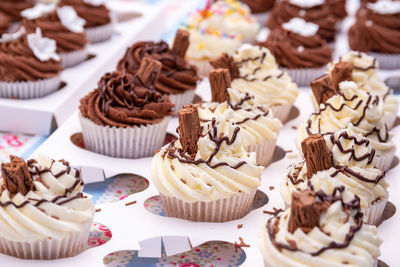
201,45
98,210
130,203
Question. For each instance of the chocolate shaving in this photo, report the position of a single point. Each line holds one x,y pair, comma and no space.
220,81
16,176
189,129
316,154
149,71
181,43
323,89
342,71
305,211
226,62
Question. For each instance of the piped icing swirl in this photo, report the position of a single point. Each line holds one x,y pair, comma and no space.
12,8
319,14
122,100
54,207
259,6
51,26
260,76
220,168
352,105
93,15
292,50
375,32
341,238
176,76
256,124
19,63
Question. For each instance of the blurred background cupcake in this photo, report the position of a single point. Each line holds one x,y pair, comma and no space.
259,8
10,13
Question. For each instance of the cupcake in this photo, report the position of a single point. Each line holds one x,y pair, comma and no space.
377,32
259,8
298,48
319,230
44,213
339,108
29,65
364,71
99,26
258,127
206,175
61,24
219,28
253,70
343,159
125,117
314,11
178,79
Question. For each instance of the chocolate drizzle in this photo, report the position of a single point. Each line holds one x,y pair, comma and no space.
344,135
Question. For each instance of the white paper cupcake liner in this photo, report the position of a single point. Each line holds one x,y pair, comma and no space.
74,58
181,99
48,249
303,77
383,161
387,61
100,33
389,119
203,67
222,210
281,111
129,142
29,89
373,214
264,152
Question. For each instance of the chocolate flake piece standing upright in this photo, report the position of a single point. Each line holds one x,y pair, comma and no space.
226,62
342,71
148,71
305,211
323,89
189,129
181,43
220,81
316,154
16,176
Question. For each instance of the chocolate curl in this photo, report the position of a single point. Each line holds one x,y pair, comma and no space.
317,155
149,70
305,211
16,176
181,43
226,62
220,81
323,89
189,129
342,71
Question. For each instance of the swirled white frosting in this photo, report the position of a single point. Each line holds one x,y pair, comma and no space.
70,19
192,183
264,80
256,124
38,10
335,223
307,3
358,107
385,7
51,219
301,27
43,48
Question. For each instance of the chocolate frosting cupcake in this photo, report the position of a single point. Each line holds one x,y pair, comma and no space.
13,8
94,15
123,100
18,63
292,50
51,26
259,6
375,32
318,14
176,76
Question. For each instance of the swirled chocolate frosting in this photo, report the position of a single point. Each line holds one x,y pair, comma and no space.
292,50
176,76
4,23
337,8
67,41
18,63
13,8
375,32
259,6
122,100
320,14
94,15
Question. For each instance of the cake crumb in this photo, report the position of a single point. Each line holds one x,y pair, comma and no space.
271,188
240,226
130,203
294,127
275,212
98,210
240,245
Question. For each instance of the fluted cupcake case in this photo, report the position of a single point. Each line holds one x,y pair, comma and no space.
203,66
100,33
264,151
74,58
387,61
303,77
182,99
281,111
29,89
373,213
